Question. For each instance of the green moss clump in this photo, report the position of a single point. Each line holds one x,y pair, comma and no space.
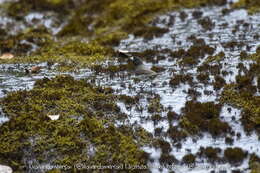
167,159
219,82
189,159
252,6
199,117
189,128
181,78
176,134
21,8
254,163
235,155
206,23
210,153
171,115
81,134
203,77
242,94
217,58
194,53
163,145
247,102
128,99
18,45
103,24
155,106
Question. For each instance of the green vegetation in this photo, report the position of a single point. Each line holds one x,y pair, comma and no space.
252,6
212,154
242,94
215,58
189,159
254,163
249,104
155,106
235,155
181,78
200,117
103,24
86,125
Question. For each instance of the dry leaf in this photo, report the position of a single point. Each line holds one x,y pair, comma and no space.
7,56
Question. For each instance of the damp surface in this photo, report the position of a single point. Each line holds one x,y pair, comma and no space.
13,77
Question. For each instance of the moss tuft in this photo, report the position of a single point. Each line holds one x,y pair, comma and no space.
235,155
81,134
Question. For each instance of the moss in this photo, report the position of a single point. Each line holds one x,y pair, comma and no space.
229,140
212,69
199,117
210,153
102,23
244,84
156,118
181,78
206,23
234,155
158,131
254,163
171,115
163,145
220,56
247,102
197,14
190,128
189,159
167,159
23,7
203,77
252,6
129,100
78,129
189,61
219,82
155,106
233,44
149,33
194,53
193,93
18,45
176,134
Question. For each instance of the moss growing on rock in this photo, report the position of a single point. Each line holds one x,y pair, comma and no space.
103,24
252,6
247,102
203,117
80,134
235,155
181,78
212,154
155,106
189,159
254,163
